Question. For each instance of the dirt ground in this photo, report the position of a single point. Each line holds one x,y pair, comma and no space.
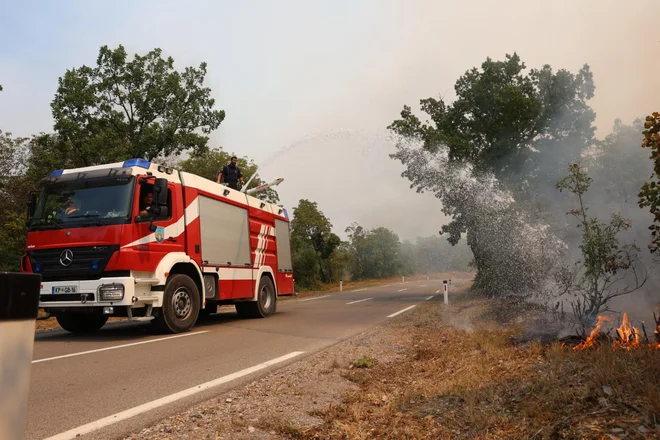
440,372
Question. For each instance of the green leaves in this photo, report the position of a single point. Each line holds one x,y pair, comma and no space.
375,253
313,243
515,123
649,196
139,108
599,276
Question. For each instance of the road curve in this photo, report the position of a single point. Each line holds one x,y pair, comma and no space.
127,377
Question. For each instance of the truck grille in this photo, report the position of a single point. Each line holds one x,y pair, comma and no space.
80,263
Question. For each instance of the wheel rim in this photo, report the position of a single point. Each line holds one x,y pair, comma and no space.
265,297
181,303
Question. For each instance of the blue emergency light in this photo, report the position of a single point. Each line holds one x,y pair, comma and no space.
137,162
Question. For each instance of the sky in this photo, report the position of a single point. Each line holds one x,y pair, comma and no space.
309,87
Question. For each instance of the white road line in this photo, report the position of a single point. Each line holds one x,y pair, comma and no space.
429,298
423,285
401,311
316,297
401,290
114,347
437,291
359,290
132,412
359,301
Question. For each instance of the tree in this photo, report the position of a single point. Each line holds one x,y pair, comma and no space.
14,187
501,116
122,109
620,165
209,163
376,253
649,196
600,276
313,242
506,128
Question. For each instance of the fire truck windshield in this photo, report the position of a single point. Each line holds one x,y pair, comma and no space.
81,203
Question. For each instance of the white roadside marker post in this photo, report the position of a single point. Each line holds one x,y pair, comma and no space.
341,286
445,287
19,306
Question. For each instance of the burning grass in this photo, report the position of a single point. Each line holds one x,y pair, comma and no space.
457,383
626,336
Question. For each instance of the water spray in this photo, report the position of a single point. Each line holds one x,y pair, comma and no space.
250,179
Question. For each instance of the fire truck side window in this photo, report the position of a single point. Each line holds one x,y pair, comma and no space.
146,198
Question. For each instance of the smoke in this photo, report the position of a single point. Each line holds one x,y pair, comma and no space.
349,174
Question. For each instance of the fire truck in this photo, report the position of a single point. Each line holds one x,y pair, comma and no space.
150,243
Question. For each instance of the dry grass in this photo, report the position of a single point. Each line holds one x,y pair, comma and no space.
473,383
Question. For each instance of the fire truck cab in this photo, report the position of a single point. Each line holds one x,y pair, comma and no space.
147,242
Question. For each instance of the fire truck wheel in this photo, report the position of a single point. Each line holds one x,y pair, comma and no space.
264,306
181,305
80,323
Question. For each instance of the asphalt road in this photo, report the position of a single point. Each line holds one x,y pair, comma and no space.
127,377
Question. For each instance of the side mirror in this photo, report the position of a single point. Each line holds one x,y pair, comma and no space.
160,192
159,206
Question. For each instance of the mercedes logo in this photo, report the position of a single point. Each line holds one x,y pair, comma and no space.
66,257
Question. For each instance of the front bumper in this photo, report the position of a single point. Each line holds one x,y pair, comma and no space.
103,292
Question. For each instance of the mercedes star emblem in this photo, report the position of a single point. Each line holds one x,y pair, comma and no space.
66,257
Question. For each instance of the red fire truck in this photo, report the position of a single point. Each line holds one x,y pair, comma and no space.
147,242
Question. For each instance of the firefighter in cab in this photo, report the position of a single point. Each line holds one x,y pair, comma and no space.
68,207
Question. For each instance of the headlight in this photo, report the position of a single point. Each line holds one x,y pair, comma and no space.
111,292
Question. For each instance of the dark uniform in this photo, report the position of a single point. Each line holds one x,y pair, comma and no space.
231,174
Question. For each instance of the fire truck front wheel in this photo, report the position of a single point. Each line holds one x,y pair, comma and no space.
181,305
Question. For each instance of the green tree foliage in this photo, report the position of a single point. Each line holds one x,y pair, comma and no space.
507,122
649,196
519,126
124,108
14,188
313,244
375,253
601,274
209,163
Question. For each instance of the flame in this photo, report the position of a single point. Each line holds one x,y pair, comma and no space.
628,335
591,340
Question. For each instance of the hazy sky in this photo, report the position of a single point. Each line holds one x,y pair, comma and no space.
328,77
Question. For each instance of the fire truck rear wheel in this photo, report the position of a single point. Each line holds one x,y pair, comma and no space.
264,306
81,323
181,305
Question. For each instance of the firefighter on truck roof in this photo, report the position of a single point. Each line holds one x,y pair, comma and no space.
231,174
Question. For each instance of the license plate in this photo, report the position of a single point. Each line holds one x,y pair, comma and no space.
65,289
